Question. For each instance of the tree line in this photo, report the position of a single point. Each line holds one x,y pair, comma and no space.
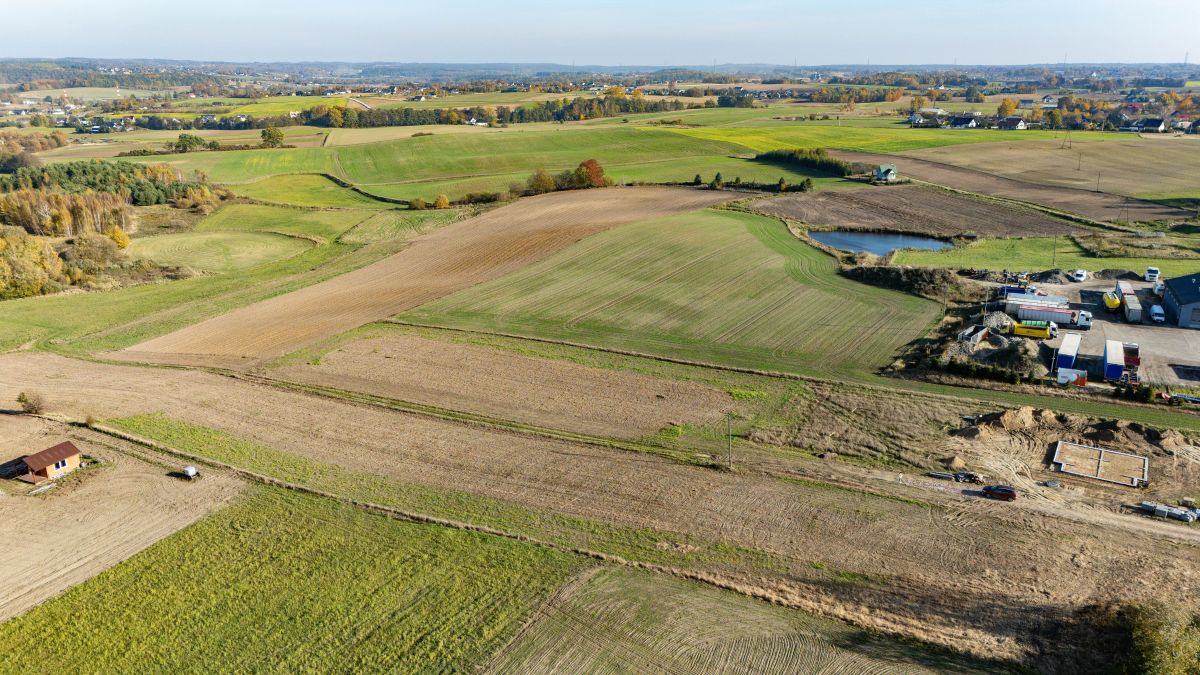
139,184
810,159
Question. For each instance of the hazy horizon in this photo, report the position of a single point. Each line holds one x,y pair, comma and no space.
615,33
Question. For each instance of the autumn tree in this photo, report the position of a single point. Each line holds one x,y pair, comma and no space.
442,202
541,181
416,204
272,137
1007,107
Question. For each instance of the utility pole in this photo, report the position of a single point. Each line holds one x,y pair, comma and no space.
1079,166
1097,181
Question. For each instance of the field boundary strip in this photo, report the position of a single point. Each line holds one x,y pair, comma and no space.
798,596
1009,201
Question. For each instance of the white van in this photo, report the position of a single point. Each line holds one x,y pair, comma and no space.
1151,274
1157,315
1079,275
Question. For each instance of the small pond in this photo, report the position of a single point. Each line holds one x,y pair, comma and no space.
879,243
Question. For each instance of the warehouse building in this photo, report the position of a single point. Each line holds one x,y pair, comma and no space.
1181,297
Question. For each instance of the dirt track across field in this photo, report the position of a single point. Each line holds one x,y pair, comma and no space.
544,392
450,259
913,209
1095,205
993,579
92,521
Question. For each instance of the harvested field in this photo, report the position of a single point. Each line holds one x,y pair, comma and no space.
544,392
1095,205
913,209
620,620
1154,166
989,578
434,265
90,522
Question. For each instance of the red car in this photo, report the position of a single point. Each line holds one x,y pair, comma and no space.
1005,493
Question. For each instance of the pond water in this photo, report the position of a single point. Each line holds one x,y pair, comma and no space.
879,243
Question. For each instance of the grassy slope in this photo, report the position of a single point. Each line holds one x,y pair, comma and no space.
113,319
713,285
620,619
283,582
219,252
308,190
325,225
1036,254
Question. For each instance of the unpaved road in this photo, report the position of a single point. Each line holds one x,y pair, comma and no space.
1095,205
74,532
452,258
545,392
987,578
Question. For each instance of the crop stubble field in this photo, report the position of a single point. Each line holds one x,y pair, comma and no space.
434,265
545,392
916,565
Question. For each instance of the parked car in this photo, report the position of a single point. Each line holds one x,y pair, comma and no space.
1005,493
1152,274
1157,315
1079,275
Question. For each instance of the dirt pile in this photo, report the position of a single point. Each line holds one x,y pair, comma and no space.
1054,276
1023,356
1116,274
933,284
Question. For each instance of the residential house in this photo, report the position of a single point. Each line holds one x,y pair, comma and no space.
1181,299
886,173
1012,123
51,463
1150,125
917,120
1049,100
1025,104
963,122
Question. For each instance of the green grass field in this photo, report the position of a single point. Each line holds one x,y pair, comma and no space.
621,620
1038,253
308,190
282,105
220,252
712,285
287,583
319,225
849,136
88,94
512,99
387,225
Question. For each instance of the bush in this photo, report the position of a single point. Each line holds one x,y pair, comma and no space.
442,202
32,402
417,204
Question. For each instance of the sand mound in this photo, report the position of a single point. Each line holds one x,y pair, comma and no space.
954,463
1015,420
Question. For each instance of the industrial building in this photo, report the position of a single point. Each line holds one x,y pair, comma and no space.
1181,297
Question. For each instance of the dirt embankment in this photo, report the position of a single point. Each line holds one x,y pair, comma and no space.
1094,205
913,209
452,258
544,392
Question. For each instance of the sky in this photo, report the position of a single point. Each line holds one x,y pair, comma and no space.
610,32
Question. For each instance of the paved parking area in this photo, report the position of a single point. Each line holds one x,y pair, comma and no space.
1170,355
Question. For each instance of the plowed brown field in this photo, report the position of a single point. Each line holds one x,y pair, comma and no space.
450,259
910,208
1095,205
76,531
544,392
